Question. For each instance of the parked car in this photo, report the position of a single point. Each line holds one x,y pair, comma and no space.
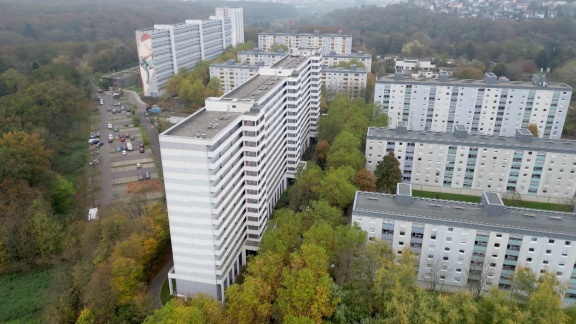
127,114
93,162
110,136
114,111
122,139
92,141
94,135
109,126
101,101
127,108
100,144
109,109
147,175
138,165
117,104
124,152
126,124
110,139
133,138
118,149
141,148
115,128
140,176
124,147
127,135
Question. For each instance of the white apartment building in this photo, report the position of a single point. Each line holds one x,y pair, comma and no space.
255,56
165,49
338,43
236,15
232,74
351,81
534,168
414,64
226,166
488,107
463,245
332,59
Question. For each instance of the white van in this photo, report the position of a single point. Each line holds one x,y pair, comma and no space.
129,146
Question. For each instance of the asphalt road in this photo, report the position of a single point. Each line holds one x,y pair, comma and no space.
104,156
134,99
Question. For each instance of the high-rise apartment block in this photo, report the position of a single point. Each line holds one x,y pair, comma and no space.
468,245
338,43
165,49
333,60
532,167
487,107
236,15
351,81
226,166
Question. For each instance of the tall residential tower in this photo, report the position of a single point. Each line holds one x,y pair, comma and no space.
236,15
226,166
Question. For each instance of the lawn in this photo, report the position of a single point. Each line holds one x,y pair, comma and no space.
21,296
476,199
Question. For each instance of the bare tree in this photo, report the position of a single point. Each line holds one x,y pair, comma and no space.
438,272
478,274
512,198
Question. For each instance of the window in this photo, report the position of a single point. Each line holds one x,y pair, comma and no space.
448,239
461,251
458,270
372,229
531,250
498,235
450,229
534,239
430,256
528,259
545,262
445,258
550,241
446,249
433,236
492,265
496,245
402,233
567,243
548,251
400,243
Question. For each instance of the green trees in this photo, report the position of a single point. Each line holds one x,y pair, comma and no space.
388,173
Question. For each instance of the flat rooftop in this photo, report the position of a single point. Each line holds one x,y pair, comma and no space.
261,52
351,55
254,88
391,78
289,62
473,140
521,221
203,124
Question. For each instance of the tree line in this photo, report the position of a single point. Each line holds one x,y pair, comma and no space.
42,151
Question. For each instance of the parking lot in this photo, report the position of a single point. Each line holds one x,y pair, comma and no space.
118,167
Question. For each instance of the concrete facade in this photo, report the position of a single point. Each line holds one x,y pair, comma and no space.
487,107
351,81
462,245
226,166
338,43
332,59
236,15
528,166
165,49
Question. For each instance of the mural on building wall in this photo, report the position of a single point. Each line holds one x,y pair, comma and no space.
145,54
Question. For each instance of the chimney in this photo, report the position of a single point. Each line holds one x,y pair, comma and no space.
404,194
401,127
490,78
493,204
460,131
443,76
524,135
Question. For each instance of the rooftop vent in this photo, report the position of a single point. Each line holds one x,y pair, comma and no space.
404,194
443,76
490,78
524,135
401,127
460,131
493,204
